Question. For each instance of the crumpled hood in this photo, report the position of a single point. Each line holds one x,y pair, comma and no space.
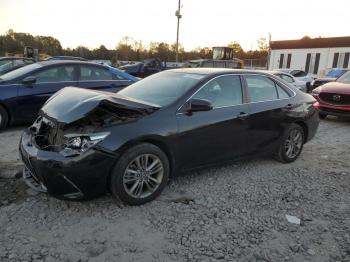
336,87
72,103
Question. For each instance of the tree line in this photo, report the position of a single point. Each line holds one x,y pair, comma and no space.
126,49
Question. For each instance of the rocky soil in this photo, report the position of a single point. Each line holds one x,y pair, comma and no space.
231,213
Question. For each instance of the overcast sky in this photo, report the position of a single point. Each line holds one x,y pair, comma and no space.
204,23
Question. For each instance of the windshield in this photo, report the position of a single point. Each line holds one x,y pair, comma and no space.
162,89
345,78
335,72
20,71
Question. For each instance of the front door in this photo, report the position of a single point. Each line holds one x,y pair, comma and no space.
216,135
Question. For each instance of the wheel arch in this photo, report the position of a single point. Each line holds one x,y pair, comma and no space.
154,140
305,129
9,116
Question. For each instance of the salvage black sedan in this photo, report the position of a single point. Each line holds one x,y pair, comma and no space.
85,142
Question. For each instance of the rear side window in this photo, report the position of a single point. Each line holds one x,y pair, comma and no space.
261,88
94,73
55,74
222,91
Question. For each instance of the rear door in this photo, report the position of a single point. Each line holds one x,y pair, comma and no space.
269,105
49,80
100,78
216,135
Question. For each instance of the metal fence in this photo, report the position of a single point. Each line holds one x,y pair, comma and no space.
255,63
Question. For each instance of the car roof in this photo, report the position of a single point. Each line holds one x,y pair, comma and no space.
279,72
14,58
218,71
58,62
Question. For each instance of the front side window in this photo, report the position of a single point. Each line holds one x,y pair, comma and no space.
55,74
261,88
222,91
94,73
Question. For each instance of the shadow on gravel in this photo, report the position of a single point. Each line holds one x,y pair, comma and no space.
12,191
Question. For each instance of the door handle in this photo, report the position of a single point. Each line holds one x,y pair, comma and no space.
242,116
289,106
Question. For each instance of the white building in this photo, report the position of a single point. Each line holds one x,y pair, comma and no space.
314,56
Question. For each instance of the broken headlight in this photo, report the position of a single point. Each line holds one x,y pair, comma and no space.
79,143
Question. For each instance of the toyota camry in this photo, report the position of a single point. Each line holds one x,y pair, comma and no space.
85,143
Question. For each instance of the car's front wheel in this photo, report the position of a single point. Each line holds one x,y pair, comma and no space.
140,174
3,118
291,144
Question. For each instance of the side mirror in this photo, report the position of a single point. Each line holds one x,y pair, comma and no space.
197,105
29,80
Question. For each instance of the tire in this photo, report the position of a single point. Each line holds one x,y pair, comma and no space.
283,154
3,118
322,115
134,187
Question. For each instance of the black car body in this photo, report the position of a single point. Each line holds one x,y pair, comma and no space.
194,117
8,64
145,68
24,91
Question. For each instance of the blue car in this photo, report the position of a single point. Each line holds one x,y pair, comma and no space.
24,91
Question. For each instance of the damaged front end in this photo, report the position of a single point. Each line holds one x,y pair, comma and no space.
59,149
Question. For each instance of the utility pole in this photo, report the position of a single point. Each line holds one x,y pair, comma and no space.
178,15
268,53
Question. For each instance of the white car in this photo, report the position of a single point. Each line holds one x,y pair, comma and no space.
301,85
299,75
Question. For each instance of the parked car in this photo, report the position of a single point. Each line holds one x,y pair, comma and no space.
66,58
301,85
334,97
85,142
8,64
331,76
24,91
145,68
300,75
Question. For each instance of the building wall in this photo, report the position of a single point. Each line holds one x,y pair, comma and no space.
298,59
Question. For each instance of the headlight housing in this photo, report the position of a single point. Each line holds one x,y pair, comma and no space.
77,144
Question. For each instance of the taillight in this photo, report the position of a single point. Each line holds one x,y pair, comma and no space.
316,105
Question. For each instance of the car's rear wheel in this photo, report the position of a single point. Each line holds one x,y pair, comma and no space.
291,145
322,115
3,118
140,174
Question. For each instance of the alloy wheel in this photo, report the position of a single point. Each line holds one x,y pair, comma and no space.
294,143
143,175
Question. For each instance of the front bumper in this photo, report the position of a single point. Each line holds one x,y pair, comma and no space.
80,177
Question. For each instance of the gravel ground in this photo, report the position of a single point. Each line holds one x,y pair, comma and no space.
231,213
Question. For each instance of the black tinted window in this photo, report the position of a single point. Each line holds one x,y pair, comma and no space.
94,73
222,91
55,74
261,88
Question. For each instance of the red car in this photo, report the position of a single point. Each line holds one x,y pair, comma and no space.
334,97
